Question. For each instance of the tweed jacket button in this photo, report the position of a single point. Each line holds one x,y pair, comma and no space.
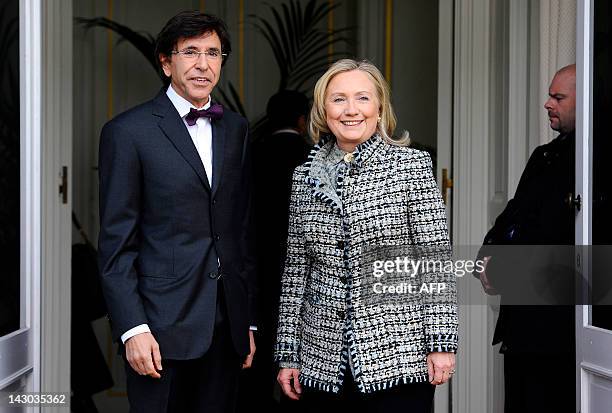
341,314
343,279
341,245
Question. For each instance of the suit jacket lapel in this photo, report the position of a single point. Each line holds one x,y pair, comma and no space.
218,142
176,131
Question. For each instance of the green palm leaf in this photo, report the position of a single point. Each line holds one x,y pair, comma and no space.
142,41
300,47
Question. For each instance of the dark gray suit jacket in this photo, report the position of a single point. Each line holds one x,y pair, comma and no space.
162,228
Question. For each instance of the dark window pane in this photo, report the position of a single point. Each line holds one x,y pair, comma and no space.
602,145
9,167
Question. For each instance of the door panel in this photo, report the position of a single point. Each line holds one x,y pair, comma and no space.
600,393
14,334
602,107
593,334
9,168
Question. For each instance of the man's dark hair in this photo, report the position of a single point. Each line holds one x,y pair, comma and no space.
188,24
285,108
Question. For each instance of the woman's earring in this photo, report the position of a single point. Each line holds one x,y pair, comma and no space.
379,119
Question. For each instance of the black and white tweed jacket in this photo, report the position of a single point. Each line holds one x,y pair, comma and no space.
386,196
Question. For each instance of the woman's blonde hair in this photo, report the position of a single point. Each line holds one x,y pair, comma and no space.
317,125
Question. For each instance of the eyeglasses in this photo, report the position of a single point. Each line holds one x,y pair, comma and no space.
191,54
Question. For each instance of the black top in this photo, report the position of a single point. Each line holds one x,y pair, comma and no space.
275,156
539,214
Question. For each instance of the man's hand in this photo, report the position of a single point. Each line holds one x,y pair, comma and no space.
440,366
484,280
288,380
249,359
142,352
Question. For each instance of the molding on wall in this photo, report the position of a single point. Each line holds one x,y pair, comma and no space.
30,194
371,42
442,398
330,28
518,91
388,40
471,157
109,62
241,50
445,96
56,70
536,100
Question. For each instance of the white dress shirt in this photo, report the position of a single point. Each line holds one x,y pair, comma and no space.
201,135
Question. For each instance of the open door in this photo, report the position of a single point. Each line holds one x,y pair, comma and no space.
593,322
35,326
19,216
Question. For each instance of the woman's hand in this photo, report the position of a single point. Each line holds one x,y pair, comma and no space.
288,380
441,367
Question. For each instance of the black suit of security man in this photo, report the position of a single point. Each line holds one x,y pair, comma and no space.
174,247
538,341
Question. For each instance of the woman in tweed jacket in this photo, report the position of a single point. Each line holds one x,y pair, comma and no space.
359,188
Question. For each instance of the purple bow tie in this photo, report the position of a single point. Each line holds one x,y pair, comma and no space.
214,112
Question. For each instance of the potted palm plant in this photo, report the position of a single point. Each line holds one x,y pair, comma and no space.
299,44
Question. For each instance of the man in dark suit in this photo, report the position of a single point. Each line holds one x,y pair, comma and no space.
175,234
538,340
276,153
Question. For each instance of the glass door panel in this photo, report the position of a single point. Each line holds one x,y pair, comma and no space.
10,276
601,315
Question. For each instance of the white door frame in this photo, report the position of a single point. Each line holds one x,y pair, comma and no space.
20,350
593,364
442,399
463,144
56,119
37,357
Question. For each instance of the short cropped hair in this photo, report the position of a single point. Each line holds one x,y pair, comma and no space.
285,109
385,128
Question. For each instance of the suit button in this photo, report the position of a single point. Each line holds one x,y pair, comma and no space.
341,245
343,279
341,314
214,202
217,237
213,275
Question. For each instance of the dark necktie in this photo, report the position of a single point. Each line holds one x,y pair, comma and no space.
214,112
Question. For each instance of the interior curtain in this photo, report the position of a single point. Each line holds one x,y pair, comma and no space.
557,48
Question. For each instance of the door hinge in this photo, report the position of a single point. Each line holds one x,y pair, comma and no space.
574,201
63,188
